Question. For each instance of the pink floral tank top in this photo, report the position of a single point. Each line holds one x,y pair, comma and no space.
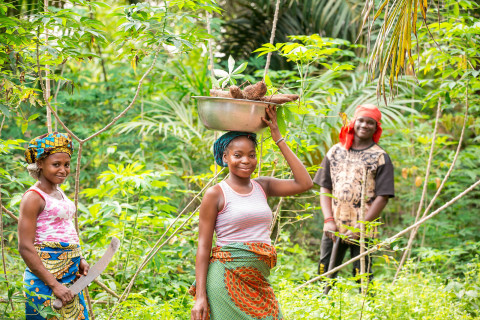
55,222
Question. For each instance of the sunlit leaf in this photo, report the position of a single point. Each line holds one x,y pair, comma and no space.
231,64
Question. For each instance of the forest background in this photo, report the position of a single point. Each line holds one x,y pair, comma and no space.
142,173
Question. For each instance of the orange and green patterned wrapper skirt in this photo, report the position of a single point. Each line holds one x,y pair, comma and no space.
237,285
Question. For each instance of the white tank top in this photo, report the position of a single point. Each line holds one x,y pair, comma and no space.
244,217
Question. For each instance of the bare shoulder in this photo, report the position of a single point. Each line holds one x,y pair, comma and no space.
213,199
32,204
213,192
264,182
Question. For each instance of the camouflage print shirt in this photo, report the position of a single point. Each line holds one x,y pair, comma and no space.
342,172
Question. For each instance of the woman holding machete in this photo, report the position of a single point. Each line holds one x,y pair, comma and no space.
47,239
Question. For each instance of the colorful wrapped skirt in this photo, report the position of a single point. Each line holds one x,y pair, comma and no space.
62,260
237,285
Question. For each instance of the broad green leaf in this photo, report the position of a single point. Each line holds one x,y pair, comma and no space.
282,124
159,184
99,4
262,53
224,83
231,64
268,82
220,73
133,63
33,117
24,126
4,110
215,82
240,68
290,47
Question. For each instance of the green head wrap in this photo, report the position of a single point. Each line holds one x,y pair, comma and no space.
222,143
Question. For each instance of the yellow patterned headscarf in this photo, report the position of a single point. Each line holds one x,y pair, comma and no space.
47,144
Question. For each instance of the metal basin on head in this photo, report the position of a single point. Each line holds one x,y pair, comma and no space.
228,114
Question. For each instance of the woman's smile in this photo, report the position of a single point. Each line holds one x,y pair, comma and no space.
241,157
55,168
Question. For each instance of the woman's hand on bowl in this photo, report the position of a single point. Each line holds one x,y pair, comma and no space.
272,123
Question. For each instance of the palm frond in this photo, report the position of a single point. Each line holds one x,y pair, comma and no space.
355,91
249,23
392,51
168,118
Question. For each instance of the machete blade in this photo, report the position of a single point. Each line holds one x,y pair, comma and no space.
93,272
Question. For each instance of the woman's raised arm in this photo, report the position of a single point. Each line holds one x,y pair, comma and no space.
301,181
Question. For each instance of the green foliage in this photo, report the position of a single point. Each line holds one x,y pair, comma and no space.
230,76
138,176
415,295
248,24
139,307
468,289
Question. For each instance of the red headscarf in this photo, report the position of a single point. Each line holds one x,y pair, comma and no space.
366,110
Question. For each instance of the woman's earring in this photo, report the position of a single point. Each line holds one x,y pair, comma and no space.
225,164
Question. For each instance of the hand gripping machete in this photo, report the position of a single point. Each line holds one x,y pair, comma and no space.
94,271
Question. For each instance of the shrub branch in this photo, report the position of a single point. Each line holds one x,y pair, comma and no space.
452,165
424,191
391,239
10,213
2,247
157,246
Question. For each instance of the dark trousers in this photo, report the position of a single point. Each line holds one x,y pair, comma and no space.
326,253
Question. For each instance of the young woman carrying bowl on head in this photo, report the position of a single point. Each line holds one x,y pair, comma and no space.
231,279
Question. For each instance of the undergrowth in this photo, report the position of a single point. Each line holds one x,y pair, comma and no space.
418,293
415,295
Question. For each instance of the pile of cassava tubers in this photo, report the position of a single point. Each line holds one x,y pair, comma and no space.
253,92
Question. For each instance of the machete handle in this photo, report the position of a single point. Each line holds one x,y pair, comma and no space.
57,304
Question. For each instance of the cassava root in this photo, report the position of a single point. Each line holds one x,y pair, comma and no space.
253,92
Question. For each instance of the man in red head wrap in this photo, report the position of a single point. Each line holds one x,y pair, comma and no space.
341,175
362,113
